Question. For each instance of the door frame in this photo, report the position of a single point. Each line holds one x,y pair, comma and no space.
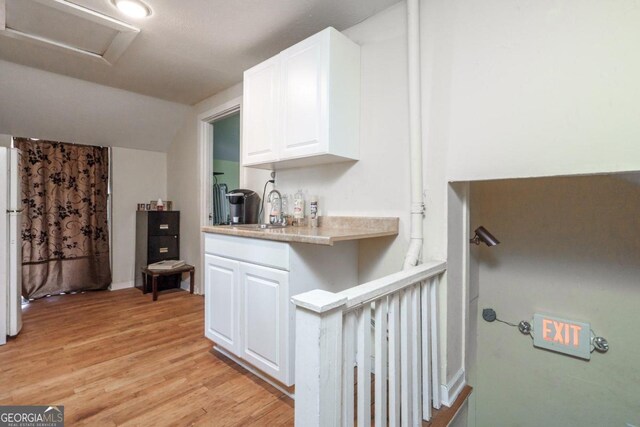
205,136
205,151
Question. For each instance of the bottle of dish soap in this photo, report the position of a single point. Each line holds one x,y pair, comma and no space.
298,208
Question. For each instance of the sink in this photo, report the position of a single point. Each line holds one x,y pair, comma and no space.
259,226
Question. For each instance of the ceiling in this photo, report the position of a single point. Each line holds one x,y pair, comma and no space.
191,49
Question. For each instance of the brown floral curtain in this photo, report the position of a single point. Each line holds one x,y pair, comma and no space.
65,235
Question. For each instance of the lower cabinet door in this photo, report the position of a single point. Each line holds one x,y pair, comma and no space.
265,320
222,302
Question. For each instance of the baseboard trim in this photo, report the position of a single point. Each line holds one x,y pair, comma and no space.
449,392
121,285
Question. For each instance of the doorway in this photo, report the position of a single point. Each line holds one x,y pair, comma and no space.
226,149
225,165
224,120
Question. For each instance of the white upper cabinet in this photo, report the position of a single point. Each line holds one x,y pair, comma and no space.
302,107
304,69
260,108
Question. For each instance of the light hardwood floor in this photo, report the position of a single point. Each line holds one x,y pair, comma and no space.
117,358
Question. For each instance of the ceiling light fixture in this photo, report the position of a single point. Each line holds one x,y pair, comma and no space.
132,8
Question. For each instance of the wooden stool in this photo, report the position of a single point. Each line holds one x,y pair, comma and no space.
157,273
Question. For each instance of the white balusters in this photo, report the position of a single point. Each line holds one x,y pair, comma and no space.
426,350
348,362
364,366
435,356
394,360
406,367
416,355
405,344
381,363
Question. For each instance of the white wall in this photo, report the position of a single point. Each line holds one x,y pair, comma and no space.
534,89
137,176
378,184
45,105
570,247
5,140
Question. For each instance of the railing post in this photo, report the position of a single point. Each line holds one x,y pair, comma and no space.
318,351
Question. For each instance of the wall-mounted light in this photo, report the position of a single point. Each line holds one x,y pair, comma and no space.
483,235
132,8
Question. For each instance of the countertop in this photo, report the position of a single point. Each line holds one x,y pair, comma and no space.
332,229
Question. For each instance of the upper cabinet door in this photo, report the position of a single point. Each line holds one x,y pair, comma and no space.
304,98
222,302
260,121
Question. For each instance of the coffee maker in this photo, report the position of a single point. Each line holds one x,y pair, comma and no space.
244,206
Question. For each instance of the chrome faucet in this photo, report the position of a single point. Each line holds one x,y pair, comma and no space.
276,219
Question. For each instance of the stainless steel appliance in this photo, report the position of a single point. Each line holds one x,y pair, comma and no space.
10,245
244,206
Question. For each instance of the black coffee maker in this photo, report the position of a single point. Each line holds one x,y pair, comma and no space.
244,206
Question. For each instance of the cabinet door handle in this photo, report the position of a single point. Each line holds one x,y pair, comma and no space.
164,250
164,226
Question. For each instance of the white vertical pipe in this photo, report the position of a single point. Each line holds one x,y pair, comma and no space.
415,133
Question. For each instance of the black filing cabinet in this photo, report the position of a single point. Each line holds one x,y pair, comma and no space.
157,239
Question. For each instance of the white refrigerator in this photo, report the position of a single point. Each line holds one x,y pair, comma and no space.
10,245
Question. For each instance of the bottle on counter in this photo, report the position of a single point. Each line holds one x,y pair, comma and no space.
286,213
298,208
313,211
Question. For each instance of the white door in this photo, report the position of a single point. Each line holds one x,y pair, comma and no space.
265,320
260,117
221,308
304,97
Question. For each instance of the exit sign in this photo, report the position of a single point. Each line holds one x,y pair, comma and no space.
562,335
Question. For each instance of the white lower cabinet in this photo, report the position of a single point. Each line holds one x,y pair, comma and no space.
248,288
222,279
265,322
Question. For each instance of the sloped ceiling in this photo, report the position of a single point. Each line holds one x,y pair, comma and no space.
191,49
